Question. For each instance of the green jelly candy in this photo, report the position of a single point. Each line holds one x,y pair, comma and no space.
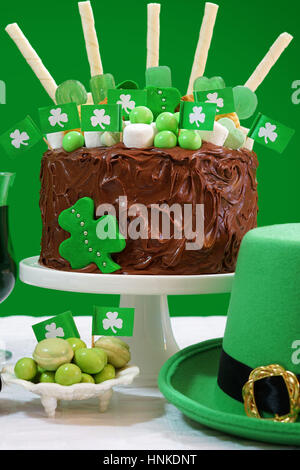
245,101
190,140
107,373
165,139
87,379
205,84
141,115
236,137
177,116
89,360
72,140
71,91
26,369
100,84
47,377
159,76
161,99
127,85
76,343
166,122
68,374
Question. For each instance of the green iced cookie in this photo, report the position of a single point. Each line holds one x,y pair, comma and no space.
160,99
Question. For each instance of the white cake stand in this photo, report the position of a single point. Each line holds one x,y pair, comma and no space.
153,341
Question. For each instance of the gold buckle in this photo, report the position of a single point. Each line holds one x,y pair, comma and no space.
292,386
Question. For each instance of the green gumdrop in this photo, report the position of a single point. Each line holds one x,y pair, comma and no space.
99,85
166,122
165,139
236,137
205,84
159,76
72,140
127,85
141,115
245,101
190,140
71,91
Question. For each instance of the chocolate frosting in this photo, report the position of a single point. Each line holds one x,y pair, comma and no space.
223,180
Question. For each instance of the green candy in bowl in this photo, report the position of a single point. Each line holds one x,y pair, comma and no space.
52,352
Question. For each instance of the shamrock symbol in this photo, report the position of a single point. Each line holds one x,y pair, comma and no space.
213,98
268,132
18,138
112,321
197,116
126,102
100,118
54,332
57,117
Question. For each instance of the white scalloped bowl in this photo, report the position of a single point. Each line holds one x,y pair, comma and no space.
51,392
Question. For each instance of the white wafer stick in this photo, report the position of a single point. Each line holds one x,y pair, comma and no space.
205,37
153,30
268,61
90,37
32,59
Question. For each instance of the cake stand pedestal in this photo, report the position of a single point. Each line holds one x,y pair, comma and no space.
152,342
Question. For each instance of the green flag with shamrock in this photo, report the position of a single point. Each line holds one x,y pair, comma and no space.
222,97
63,117
112,321
128,99
101,118
271,133
198,116
60,326
21,137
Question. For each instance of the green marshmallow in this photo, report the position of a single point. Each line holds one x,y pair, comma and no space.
236,137
159,76
100,84
245,101
160,99
71,91
205,84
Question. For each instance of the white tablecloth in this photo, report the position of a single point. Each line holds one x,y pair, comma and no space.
136,419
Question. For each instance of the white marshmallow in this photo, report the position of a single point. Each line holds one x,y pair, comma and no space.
55,139
249,144
110,138
153,124
92,139
138,136
217,136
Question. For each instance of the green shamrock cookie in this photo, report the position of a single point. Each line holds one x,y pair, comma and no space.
236,137
91,241
162,99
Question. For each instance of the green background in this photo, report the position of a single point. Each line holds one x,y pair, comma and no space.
243,33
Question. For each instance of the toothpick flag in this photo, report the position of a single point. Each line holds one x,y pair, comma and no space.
59,118
112,321
271,133
21,137
128,99
198,116
101,118
223,98
61,326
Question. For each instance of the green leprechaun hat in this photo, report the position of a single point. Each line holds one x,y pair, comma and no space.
248,383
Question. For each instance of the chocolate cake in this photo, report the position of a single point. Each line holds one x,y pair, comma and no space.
221,179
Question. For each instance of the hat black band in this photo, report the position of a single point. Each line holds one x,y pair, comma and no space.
271,394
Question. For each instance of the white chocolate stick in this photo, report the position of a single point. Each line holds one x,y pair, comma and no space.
153,10
268,61
32,59
205,37
90,37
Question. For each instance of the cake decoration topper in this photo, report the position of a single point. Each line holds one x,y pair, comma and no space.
91,241
223,98
59,118
21,137
61,326
206,84
197,115
153,32
103,117
128,99
271,133
112,321
71,91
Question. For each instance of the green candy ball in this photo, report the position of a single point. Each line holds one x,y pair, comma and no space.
72,140
177,116
165,139
107,373
87,379
47,377
26,369
166,122
189,140
76,343
89,360
68,374
141,115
